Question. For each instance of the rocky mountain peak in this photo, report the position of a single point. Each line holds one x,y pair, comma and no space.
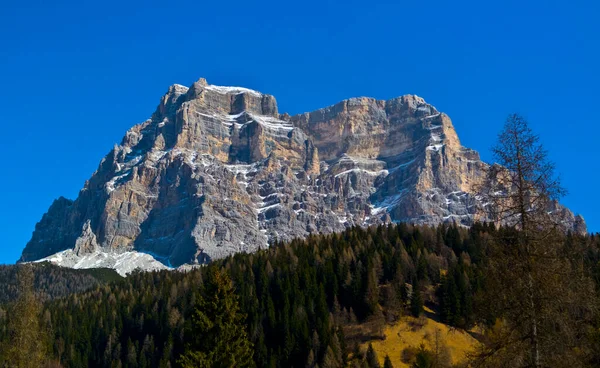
216,170
232,100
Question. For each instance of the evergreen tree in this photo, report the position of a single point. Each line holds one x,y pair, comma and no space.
424,358
371,358
218,336
416,302
388,362
372,292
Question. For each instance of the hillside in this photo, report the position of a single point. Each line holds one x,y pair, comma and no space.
304,301
402,340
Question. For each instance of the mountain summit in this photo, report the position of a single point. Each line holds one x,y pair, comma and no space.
217,170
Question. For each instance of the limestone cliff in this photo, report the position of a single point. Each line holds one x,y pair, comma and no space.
217,170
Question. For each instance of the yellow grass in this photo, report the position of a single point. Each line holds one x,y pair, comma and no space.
408,332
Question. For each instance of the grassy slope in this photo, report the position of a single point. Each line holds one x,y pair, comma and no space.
410,332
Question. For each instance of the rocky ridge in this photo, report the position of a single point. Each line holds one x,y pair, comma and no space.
217,170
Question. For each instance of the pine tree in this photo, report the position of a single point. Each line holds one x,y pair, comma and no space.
218,336
371,358
387,362
424,358
416,301
310,360
371,294
131,354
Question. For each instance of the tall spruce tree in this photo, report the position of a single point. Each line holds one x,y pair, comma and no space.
416,301
218,336
387,363
371,358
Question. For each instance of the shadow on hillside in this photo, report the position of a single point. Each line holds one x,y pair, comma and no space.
429,312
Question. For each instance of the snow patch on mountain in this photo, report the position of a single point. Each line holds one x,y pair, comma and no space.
124,263
232,90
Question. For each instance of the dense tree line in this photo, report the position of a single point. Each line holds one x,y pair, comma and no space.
52,281
297,298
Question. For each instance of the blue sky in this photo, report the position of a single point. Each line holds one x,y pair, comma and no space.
75,75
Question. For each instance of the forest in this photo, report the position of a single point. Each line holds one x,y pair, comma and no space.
298,299
51,282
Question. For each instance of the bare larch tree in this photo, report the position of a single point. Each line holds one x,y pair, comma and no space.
535,290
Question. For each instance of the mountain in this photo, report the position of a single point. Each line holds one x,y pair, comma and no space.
217,170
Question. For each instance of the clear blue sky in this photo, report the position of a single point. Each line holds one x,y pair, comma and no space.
74,76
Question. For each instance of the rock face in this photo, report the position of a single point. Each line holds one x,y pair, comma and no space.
217,170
